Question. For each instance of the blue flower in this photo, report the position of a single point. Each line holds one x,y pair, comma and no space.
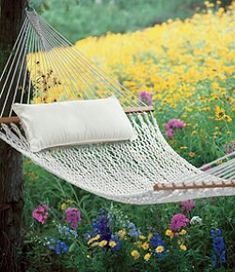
157,241
58,246
218,244
102,224
132,230
218,247
216,232
117,243
67,232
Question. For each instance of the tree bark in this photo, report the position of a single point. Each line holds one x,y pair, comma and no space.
11,176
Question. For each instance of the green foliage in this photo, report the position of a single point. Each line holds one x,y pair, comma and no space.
45,188
204,139
79,19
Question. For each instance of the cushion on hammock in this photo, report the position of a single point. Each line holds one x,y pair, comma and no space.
74,122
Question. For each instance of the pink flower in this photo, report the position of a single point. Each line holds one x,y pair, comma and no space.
187,205
178,221
40,213
173,124
146,98
73,216
170,133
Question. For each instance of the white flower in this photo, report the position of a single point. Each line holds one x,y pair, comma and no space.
196,220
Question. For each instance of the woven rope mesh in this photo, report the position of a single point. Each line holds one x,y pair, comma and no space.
43,64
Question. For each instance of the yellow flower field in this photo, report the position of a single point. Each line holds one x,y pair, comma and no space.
175,60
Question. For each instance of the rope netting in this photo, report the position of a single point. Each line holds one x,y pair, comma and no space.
44,67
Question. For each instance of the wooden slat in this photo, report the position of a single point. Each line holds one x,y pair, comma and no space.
173,186
15,119
139,109
8,120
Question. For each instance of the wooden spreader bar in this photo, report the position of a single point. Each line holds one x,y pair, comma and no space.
16,120
8,120
139,109
183,186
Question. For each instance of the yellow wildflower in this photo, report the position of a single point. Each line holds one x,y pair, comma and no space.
183,247
220,11
169,233
192,154
103,243
66,204
183,232
63,206
95,244
214,85
93,239
135,254
227,118
142,237
209,4
145,246
112,243
159,249
219,113
122,233
147,256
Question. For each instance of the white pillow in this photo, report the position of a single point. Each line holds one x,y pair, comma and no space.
74,122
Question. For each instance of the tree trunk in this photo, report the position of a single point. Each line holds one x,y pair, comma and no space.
11,176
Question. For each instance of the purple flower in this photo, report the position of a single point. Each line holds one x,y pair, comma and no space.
170,133
40,213
102,228
187,205
178,221
102,224
173,124
146,98
73,216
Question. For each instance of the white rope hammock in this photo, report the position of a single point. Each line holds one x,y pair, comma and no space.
144,171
